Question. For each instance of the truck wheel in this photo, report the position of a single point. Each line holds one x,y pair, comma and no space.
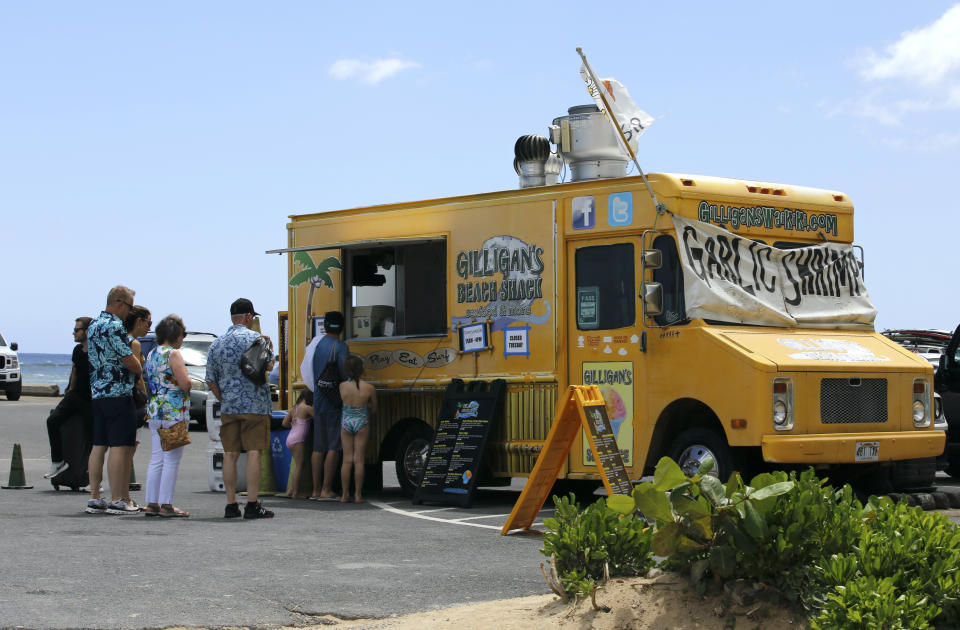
411,457
914,474
693,446
13,391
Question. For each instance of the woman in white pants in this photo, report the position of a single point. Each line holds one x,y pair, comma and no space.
169,384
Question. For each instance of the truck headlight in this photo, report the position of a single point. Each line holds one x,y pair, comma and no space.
782,404
921,409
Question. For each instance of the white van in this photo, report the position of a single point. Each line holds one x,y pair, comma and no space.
10,378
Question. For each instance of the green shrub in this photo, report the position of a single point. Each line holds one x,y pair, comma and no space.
869,603
586,542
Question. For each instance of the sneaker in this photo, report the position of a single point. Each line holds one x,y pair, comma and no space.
256,510
232,511
56,468
120,506
96,506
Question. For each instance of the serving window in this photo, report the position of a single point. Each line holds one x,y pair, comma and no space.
397,290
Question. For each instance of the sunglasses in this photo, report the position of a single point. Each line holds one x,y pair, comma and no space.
78,329
129,305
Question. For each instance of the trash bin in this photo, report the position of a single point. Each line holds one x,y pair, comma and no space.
281,454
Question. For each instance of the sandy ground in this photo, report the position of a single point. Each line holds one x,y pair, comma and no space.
666,602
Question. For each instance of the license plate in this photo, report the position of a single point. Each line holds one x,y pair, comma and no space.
867,452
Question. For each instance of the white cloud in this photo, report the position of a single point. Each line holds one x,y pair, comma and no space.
927,55
916,75
369,72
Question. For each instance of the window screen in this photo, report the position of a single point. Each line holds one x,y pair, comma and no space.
670,277
606,295
398,290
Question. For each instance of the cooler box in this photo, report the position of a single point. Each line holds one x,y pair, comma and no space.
282,458
215,468
213,417
371,321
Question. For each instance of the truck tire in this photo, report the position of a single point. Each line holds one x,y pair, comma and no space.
914,474
411,457
13,390
693,446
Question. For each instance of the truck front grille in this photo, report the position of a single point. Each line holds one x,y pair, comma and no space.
853,400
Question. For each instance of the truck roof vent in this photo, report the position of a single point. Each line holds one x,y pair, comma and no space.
588,144
534,162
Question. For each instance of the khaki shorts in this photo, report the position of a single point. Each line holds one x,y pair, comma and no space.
244,432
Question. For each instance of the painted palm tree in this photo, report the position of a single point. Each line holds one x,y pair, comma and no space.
317,276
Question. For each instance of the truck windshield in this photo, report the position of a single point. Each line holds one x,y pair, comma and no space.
2,341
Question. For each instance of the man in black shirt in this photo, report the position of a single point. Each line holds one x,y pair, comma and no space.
75,400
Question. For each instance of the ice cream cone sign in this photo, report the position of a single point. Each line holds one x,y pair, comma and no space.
317,276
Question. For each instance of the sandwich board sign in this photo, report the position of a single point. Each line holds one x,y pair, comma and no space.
463,424
582,407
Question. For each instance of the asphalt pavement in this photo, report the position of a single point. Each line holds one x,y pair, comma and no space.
67,569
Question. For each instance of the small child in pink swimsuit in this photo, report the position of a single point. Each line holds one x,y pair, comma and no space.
298,421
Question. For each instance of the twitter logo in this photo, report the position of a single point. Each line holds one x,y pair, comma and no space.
620,209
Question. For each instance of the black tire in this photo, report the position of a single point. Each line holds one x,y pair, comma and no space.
914,474
55,486
411,457
693,445
13,391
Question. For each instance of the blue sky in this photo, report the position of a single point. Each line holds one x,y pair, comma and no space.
162,146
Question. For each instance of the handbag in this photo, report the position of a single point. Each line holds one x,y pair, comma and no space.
328,382
174,437
254,361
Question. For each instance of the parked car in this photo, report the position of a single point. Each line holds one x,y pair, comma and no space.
939,347
11,378
196,346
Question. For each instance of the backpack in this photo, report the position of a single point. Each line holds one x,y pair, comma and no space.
328,381
254,360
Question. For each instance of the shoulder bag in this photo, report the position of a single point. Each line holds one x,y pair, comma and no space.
328,382
254,360
174,436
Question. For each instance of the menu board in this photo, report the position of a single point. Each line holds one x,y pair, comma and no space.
606,451
453,464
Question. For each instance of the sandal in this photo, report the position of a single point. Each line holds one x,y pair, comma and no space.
172,512
151,510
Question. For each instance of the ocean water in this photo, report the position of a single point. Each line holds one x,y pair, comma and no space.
46,368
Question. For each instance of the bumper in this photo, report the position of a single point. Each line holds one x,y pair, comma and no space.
851,449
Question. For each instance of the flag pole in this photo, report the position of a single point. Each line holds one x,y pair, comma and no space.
616,125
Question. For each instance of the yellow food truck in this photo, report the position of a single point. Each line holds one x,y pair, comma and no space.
728,319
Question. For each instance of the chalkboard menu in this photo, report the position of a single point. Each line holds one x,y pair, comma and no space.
606,451
453,464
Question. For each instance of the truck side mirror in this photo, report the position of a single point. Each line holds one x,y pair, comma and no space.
652,259
652,298
14,346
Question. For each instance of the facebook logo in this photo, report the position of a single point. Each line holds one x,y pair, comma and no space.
620,209
584,213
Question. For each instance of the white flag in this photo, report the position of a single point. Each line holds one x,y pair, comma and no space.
633,121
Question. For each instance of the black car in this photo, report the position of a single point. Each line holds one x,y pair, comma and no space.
947,384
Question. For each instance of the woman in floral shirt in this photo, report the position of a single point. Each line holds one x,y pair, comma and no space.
169,384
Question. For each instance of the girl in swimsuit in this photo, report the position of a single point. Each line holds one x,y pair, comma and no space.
298,421
359,401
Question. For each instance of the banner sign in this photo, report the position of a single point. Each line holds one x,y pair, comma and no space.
731,278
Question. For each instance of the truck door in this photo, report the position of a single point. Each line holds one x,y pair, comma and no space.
603,340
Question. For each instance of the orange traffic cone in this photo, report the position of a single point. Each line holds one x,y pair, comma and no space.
18,481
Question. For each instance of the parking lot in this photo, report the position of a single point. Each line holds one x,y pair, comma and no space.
70,569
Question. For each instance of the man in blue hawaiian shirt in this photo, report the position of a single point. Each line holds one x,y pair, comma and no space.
244,407
113,370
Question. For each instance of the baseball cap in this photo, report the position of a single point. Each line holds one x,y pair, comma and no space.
241,306
333,321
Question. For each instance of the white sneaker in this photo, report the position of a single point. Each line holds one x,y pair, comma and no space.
120,506
56,468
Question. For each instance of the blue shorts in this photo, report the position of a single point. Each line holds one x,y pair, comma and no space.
114,421
326,431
